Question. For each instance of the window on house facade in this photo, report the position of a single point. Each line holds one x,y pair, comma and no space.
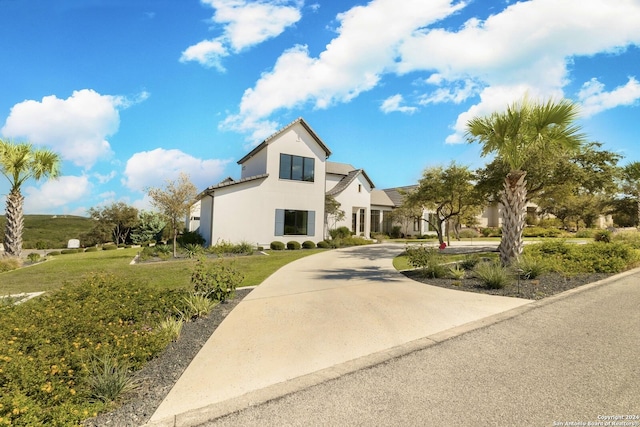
295,223
296,168
361,220
375,221
416,224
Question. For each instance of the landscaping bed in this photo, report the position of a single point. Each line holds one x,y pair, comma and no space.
544,286
159,375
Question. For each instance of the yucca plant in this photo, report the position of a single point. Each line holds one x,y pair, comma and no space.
493,275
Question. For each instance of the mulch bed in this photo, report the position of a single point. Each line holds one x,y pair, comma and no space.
542,287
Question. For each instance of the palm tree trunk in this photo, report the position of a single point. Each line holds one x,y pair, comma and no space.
514,201
15,223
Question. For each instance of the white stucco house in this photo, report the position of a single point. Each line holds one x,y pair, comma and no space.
280,194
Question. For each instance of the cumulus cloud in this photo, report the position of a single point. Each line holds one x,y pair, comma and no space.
595,99
526,47
353,62
154,168
392,104
76,127
55,193
245,24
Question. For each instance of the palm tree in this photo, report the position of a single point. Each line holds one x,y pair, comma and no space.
524,129
631,183
18,163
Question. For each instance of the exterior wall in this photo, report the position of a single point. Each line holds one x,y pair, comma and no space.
247,211
332,180
256,165
206,218
193,220
352,201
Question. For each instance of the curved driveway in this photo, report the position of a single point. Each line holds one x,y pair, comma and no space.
314,319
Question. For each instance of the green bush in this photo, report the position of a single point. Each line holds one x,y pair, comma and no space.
493,275
109,377
491,232
457,272
47,346
293,245
192,250
277,246
91,249
69,251
468,233
198,305
216,279
631,238
541,232
602,236
190,238
340,233
530,267
469,261
308,244
396,232
109,247
323,244
33,257
53,253
587,233
429,260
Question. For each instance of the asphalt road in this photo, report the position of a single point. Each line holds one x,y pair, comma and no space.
574,360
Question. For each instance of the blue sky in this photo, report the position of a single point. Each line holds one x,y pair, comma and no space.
131,93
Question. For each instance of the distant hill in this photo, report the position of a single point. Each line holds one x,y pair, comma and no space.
50,231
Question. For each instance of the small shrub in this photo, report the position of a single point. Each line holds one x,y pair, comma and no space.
468,234
308,244
53,253
350,241
171,327
530,267
457,272
91,249
293,245
340,233
585,234
243,247
631,238
429,260
198,306
323,244
190,238
491,232
469,261
396,232
602,236
41,244
192,250
68,251
33,257
215,279
277,246
492,274
109,247
109,377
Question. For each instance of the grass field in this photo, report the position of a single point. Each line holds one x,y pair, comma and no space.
70,268
50,231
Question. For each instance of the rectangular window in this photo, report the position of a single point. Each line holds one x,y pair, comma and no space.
296,168
362,220
375,221
295,222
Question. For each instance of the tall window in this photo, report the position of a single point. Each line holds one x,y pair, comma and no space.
375,221
362,220
296,168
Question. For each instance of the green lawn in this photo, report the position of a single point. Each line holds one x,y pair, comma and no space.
70,268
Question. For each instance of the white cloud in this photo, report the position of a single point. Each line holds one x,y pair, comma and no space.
392,104
55,193
245,24
76,127
103,179
153,168
353,62
527,46
595,99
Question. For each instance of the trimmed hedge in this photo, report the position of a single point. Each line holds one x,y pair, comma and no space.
293,245
277,246
308,244
323,245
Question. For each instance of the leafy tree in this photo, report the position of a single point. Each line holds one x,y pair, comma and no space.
20,162
526,131
405,215
150,226
630,185
174,201
332,212
118,218
449,193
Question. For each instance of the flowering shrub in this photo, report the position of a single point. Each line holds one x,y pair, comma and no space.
46,346
217,279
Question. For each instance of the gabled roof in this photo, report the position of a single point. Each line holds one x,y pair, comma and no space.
348,179
338,168
380,198
230,181
266,142
396,194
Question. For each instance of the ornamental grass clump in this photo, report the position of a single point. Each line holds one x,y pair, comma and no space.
109,377
493,275
198,305
171,327
529,267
